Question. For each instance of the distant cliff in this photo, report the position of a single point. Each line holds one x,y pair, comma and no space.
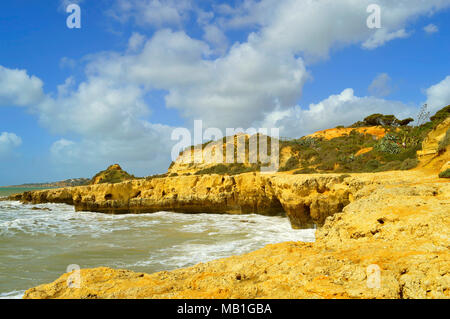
389,241
377,144
66,183
381,235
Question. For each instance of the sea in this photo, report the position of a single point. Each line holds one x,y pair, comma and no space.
39,242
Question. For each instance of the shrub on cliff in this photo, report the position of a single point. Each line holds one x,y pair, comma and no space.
148,178
291,164
404,122
440,116
444,142
409,163
384,120
113,174
307,170
445,174
229,169
388,144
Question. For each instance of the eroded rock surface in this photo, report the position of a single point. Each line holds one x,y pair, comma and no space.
402,227
306,199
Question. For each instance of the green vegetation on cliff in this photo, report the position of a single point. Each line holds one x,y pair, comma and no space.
113,174
445,174
355,152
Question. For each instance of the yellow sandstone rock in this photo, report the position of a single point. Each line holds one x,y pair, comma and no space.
400,222
395,222
305,199
328,134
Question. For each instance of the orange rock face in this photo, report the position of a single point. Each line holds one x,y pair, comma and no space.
377,131
398,224
384,235
364,151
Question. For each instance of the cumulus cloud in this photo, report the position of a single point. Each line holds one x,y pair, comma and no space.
431,28
216,37
229,91
264,73
156,13
382,36
258,80
17,88
146,153
381,85
135,42
109,121
8,142
313,27
340,109
438,95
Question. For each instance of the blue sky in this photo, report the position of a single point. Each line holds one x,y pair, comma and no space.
73,101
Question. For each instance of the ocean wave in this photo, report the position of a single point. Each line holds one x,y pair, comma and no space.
12,294
39,241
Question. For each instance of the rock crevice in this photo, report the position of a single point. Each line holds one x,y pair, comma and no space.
307,200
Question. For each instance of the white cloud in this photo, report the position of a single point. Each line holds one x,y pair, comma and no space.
62,150
135,42
216,37
257,81
438,95
109,121
313,27
19,89
8,142
146,152
157,13
231,90
66,62
382,36
381,85
265,72
431,28
341,109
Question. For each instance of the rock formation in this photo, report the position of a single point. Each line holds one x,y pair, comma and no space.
306,199
328,134
382,235
113,174
397,223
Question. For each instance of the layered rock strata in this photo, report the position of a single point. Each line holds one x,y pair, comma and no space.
306,199
396,228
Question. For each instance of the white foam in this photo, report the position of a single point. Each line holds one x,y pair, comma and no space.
148,242
12,294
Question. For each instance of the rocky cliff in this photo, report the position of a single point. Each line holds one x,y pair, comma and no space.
306,199
434,155
113,174
393,226
397,224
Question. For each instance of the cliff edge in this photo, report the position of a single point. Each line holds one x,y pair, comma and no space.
399,225
382,235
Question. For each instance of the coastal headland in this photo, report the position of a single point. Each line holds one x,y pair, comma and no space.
393,225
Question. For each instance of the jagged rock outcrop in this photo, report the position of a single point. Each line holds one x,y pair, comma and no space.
430,144
376,131
306,199
240,149
430,156
397,222
113,174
